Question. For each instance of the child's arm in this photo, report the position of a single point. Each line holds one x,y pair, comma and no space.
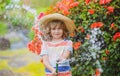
66,54
48,66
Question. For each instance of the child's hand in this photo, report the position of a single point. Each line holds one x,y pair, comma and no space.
54,73
60,60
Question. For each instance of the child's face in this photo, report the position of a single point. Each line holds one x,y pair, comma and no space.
56,33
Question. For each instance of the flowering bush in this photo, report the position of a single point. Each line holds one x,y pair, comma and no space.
97,35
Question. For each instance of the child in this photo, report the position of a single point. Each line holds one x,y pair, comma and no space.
56,49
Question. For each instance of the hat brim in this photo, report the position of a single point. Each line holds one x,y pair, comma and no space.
56,16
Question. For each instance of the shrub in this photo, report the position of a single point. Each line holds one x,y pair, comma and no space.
98,31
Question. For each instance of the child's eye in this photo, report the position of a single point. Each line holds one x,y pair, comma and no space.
59,28
53,29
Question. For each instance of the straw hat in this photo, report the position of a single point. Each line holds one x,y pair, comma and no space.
56,16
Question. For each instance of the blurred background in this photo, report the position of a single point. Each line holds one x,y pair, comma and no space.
16,19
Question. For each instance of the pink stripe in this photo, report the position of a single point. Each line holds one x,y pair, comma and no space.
59,44
62,74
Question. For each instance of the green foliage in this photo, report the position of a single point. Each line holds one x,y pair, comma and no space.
3,28
40,9
83,18
42,3
31,34
3,3
23,20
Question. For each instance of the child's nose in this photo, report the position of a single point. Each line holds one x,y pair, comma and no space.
56,30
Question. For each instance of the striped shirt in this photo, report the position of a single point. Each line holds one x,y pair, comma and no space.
54,50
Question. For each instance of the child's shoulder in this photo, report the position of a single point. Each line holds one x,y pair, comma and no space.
69,41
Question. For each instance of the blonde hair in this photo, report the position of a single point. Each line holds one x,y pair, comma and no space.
51,25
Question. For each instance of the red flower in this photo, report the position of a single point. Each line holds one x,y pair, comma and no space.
110,9
116,36
112,25
65,5
35,44
91,11
72,34
41,15
97,72
87,2
31,46
66,12
40,33
76,45
104,1
55,9
74,4
80,28
107,52
96,25
100,24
